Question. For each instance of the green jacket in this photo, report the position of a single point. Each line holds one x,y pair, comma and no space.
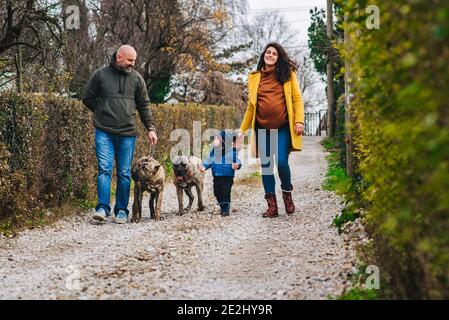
114,95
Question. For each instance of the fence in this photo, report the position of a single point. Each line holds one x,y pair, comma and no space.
315,123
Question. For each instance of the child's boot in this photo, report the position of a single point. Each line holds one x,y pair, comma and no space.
224,206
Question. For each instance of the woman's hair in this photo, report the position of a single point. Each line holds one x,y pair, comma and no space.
284,65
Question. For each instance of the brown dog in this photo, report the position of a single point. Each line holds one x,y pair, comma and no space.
187,173
148,175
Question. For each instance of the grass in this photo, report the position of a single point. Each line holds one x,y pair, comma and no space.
336,178
358,291
360,294
329,144
338,181
251,179
10,226
346,215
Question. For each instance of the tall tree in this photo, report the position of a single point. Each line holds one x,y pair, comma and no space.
30,39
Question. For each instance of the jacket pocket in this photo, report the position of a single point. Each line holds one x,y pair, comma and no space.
117,113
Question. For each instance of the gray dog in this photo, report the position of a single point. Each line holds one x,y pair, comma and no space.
186,171
148,175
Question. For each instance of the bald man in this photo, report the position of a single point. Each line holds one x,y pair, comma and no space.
114,93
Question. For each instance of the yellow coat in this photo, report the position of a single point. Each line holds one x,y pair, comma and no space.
295,108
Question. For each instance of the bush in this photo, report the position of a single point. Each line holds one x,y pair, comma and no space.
47,151
402,133
169,117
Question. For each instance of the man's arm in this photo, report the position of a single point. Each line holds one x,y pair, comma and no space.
91,91
143,105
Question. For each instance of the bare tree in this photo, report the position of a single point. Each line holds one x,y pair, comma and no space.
30,38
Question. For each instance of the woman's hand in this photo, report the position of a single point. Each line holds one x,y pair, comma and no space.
238,140
299,128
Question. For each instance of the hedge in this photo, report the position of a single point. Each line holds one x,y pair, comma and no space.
47,152
402,135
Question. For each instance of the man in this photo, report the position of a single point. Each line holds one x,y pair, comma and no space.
113,94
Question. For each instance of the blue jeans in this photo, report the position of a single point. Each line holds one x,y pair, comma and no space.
109,146
269,144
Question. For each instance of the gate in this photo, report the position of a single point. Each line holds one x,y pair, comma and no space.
315,122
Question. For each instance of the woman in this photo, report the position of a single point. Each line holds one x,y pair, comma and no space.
275,102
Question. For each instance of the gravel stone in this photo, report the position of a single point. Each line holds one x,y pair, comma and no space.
199,255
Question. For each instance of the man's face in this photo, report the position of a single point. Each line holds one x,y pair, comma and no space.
126,59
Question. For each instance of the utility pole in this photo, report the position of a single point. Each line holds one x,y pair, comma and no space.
330,71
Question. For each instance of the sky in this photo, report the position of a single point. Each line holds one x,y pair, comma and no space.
295,11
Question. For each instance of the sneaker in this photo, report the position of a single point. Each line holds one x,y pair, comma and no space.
121,217
100,215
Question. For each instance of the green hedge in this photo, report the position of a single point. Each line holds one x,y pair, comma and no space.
46,155
402,135
47,152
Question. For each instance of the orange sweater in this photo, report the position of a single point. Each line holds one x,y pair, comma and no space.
271,106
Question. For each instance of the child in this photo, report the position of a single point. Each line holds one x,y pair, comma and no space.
223,159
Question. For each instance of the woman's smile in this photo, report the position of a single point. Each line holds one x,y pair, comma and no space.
271,56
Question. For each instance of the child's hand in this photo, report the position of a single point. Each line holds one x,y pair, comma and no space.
202,168
235,166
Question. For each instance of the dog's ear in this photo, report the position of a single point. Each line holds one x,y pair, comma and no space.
156,168
189,170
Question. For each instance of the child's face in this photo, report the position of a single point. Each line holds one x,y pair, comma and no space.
216,142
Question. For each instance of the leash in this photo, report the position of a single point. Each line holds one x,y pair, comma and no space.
150,153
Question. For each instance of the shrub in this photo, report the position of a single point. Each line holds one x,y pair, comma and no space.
402,133
47,151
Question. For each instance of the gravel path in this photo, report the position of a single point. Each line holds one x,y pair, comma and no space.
197,256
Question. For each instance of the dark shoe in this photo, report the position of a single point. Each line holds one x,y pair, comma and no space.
272,211
288,202
224,206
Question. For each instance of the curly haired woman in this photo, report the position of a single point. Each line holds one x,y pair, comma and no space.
275,115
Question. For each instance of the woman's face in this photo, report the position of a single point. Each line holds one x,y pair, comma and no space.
271,56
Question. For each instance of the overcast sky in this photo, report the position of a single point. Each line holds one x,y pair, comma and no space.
295,11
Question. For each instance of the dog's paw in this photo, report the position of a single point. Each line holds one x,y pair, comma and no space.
201,208
186,210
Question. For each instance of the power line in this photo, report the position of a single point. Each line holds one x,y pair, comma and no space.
282,9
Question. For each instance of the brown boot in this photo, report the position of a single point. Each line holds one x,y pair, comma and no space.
272,211
288,201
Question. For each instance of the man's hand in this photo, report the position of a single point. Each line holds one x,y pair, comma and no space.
202,168
152,137
235,166
299,128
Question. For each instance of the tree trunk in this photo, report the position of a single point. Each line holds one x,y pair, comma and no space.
18,61
330,73
349,117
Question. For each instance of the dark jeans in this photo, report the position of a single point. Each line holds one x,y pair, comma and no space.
222,191
270,143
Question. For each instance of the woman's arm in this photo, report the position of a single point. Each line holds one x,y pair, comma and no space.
298,104
248,118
